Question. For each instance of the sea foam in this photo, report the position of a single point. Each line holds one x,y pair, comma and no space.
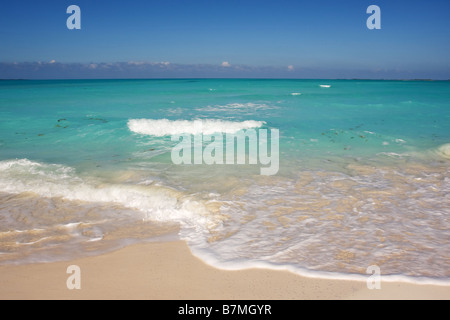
157,203
163,127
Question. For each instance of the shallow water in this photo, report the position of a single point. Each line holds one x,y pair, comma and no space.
85,167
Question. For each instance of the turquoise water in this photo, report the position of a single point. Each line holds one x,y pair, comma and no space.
363,173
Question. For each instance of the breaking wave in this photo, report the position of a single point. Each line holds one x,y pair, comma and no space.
164,127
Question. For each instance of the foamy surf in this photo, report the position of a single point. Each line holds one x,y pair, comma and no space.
49,210
326,222
165,127
156,203
210,258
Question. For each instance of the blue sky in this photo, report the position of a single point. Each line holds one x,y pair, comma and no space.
245,38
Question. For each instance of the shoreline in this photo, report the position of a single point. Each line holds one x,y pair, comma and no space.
169,271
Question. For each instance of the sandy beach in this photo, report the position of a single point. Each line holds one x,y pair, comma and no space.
170,271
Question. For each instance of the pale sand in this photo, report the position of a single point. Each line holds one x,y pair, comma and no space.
170,271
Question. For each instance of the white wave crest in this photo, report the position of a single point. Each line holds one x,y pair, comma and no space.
243,108
157,203
163,127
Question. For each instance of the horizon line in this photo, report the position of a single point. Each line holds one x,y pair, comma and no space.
227,78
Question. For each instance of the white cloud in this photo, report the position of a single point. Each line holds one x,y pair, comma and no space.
52,61
291,68
226,64
136,63
146,64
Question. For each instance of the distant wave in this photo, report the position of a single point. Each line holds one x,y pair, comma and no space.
163,127
237,107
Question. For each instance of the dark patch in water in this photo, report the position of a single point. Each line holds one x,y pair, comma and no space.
98,119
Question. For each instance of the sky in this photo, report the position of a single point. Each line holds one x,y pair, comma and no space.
225,38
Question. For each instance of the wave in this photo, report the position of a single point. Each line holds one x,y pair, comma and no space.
210,258
444,150
199,225
237,107
396,200
157,203
163,127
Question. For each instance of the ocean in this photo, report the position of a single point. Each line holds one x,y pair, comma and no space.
363,178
